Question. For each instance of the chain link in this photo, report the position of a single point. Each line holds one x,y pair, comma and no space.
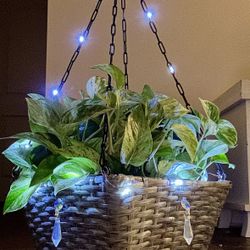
16,170
103,161
113,33
164,53
124,36
112,43
77,51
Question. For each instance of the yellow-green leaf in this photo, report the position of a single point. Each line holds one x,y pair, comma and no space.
187,137
211,110
19,193
227,133
137,142
116,74
172,108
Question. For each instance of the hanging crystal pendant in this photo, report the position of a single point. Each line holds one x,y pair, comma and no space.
188,231
56,234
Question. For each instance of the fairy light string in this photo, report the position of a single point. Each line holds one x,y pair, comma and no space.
76,53
162,48
220,171
83,37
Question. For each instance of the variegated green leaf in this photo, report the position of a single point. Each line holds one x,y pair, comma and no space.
172,108
45,169
20,192
147,92
182,171
211,148
222,159
137,142
114,72
227,133
79,149
96,86
163,167
18,152
70,172
187,137
211,110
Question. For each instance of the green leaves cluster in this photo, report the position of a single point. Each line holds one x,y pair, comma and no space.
148,134
206,140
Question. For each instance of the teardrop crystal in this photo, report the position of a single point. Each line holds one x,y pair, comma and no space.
188,231
56,234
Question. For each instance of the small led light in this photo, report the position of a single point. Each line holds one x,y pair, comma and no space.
81,128
55,92
27,145
149,14
171,69
178,182
81,39
126,191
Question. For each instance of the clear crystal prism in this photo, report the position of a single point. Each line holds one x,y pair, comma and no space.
185,204
188,231
56,234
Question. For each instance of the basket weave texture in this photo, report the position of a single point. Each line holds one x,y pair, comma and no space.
127,212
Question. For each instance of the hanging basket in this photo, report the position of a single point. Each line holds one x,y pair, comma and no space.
127,212
118,211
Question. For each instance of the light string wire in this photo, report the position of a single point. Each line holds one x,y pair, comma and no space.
78,49
164,53
220,171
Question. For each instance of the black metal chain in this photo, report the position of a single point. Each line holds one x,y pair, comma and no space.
16,170
124,36
220,172
112,43
103,160
77,51
163,51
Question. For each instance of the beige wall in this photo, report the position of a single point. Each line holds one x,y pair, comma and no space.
208,41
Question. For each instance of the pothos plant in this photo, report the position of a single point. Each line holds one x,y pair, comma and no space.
149,134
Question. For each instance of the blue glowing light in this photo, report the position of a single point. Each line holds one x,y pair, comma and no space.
55,92
149,14
171,69
178,182
126,191
81,127
81,39
27,146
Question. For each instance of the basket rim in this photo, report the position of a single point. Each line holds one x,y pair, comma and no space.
120,177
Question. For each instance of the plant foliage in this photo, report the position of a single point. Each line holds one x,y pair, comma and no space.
149,134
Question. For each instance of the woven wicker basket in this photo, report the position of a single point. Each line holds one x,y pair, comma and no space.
127,212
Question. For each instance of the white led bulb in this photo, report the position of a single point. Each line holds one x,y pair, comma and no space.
171,69
149,15
55,92
81,39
